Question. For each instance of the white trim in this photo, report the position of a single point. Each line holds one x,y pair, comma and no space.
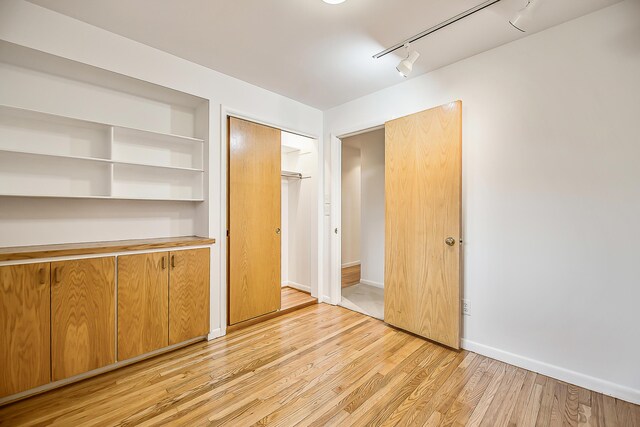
298,286
599,385
372,283
216,333
316,282
350,264
326,300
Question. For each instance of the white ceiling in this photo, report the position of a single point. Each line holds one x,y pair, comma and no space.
308,50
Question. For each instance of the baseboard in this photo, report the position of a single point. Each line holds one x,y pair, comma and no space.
216,333
596,384
298,286
350,264
325,299
372,283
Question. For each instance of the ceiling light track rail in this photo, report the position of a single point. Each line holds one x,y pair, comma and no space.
437,27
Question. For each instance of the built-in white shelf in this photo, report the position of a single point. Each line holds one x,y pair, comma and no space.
49,155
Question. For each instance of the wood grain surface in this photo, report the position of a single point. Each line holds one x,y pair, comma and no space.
25,360
189,294
71,249
351,275
321,366
292,300
143,303
254,218
82,316
423,176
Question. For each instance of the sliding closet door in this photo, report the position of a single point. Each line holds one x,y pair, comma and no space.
254,220
423,165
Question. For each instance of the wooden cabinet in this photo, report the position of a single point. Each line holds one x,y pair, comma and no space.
143,304
188,294
24,327
59,320
82,316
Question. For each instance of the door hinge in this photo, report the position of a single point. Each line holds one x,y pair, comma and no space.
227,233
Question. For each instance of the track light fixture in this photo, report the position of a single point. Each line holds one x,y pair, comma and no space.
522,21
406,65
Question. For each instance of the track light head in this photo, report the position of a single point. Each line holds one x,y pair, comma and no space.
524,18
406,65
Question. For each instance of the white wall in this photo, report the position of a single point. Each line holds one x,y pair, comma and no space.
551,196
372,215
31,26
351,205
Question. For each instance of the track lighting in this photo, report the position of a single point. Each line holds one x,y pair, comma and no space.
522,21
406,65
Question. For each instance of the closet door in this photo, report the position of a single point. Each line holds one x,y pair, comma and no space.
423,164
254,220
24,327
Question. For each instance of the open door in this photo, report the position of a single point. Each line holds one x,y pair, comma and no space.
423,186
254,220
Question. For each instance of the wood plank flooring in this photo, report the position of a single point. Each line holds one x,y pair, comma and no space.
351,275
294,298
318,366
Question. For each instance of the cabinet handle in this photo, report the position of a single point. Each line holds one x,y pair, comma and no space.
41,276
173,261
57,274
164,262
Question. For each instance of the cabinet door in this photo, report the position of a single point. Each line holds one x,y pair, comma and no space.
24,327
143,303
188,294
82,316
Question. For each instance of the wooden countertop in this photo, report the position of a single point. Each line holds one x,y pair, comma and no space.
71,249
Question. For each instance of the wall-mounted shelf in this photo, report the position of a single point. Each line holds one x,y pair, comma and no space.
49,155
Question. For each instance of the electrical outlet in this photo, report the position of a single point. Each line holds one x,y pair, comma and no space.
466,307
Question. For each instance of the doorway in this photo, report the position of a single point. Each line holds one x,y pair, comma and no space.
362,246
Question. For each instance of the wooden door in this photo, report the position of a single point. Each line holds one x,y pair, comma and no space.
24,327
82,316
423,164
188,294
254,220
143,303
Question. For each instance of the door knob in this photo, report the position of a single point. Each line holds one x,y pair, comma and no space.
450,241
336,231
277,231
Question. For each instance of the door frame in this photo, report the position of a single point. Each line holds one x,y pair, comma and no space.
316,279
335,252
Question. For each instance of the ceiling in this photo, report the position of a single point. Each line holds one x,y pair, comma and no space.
310,51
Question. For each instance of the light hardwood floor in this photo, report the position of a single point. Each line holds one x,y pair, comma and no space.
292,298
351,275
321,365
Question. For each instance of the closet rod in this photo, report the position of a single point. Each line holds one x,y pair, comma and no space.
296,175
